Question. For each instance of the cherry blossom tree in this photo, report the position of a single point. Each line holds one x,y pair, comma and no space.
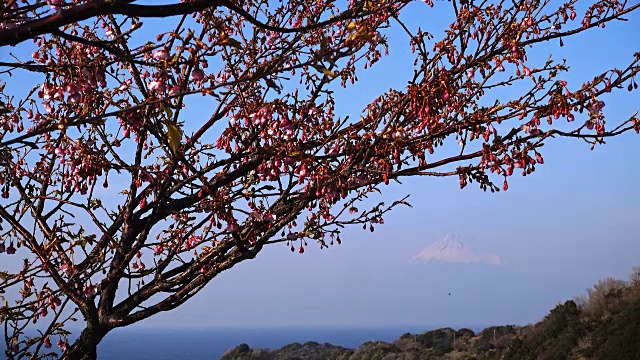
122,207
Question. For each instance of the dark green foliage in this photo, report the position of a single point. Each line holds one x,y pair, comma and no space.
561,331
441,340
553,338
485,340
465,333
619,337
376,350
296,351
244,352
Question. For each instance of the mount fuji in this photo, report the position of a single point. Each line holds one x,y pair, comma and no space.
450,249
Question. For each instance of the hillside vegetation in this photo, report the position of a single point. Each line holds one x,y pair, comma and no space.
602,324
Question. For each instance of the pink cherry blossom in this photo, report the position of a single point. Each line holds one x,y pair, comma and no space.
174,90
197,75
157,86
158,249
62,344
232,227
89,290
160,54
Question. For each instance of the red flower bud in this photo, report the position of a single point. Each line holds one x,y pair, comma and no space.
11,249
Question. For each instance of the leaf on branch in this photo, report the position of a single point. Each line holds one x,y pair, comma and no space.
402,202
167,110
175,136
323,45
327,72
360,34
232,42
3,108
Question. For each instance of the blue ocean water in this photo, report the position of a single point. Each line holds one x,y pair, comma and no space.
209,344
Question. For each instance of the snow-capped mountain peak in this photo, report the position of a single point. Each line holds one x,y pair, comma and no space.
450,249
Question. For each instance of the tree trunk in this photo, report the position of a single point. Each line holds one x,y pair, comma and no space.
86,346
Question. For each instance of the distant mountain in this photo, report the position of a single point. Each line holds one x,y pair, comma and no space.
453,250
604,325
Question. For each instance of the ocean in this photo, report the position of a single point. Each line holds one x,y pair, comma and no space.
211,343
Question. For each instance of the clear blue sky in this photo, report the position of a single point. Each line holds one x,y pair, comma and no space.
571,223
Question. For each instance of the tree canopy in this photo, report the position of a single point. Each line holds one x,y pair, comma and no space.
122,207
